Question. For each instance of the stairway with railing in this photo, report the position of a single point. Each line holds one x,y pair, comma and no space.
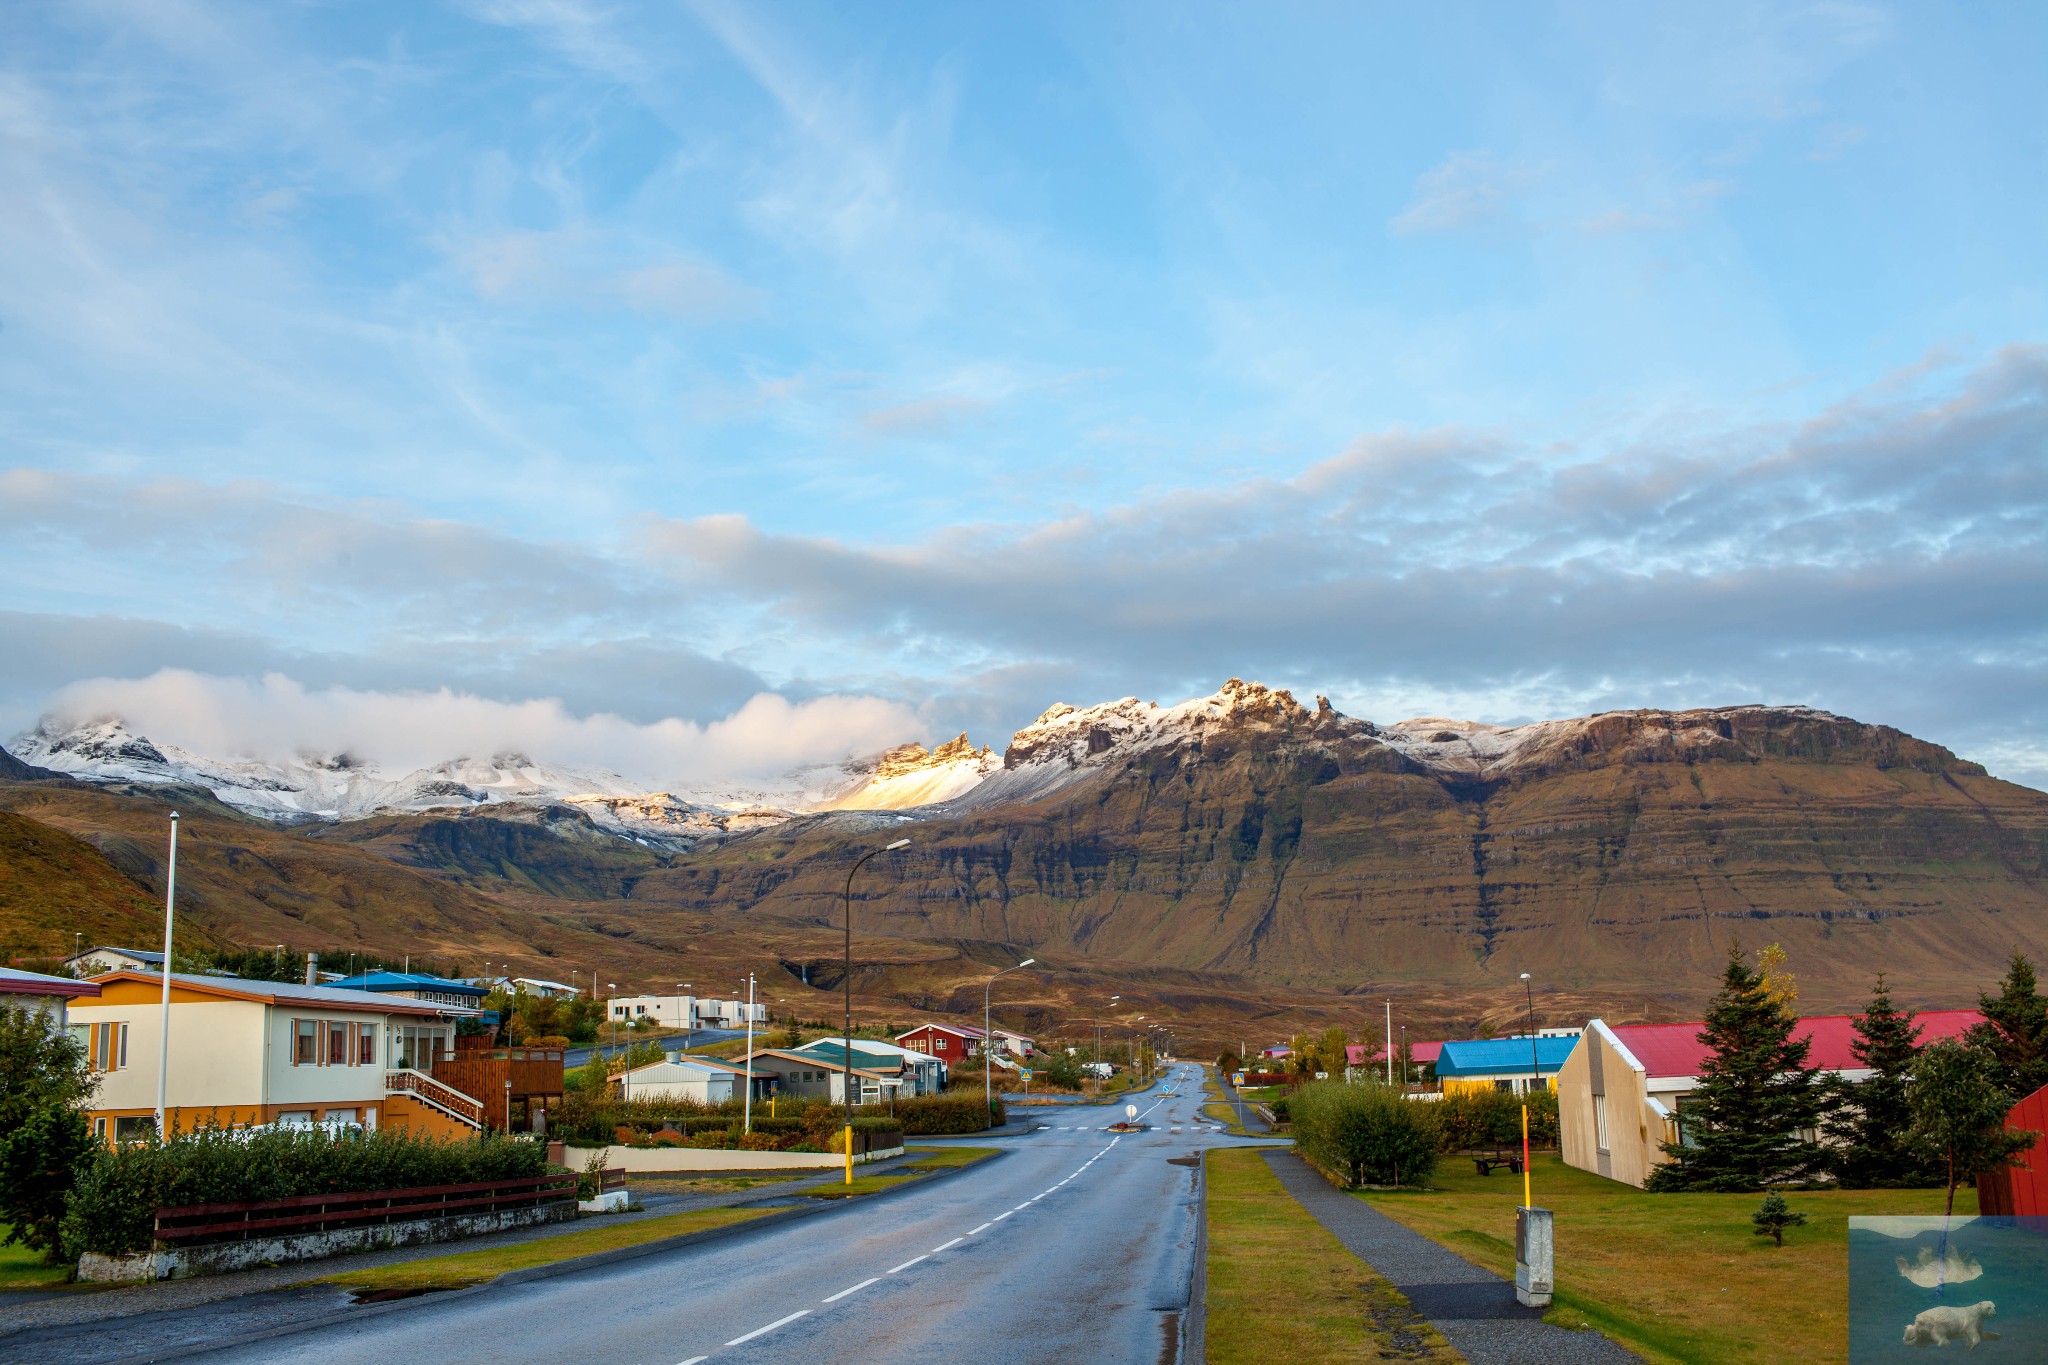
444,1099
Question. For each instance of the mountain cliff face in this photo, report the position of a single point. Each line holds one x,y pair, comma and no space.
1248,833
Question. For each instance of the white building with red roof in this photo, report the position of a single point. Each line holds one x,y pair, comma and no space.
1622,1091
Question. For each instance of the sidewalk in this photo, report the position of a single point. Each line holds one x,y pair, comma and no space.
82,1306
1474,1308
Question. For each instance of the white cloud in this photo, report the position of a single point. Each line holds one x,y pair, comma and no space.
276,717
1468,189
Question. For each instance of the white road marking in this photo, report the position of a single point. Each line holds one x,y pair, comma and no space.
764,1331
955,1242
836,1297
1001,1216
907,1264
696,1360
983,1227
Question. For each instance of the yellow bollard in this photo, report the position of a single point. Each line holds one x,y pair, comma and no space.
849,1154
1525,1157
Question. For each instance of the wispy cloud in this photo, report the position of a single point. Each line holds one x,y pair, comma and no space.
927,417
1467,189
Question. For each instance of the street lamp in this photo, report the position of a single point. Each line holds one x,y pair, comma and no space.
163,1060
689,1015
988,1093
612,989
1535,1078
847,1040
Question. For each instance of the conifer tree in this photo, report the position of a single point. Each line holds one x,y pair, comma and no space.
2014,1033
1742,1124
1872,1121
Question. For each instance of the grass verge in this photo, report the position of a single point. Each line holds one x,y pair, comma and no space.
1280,1287
475,1267
1680,1277
931,1159
21,1268
1219,1112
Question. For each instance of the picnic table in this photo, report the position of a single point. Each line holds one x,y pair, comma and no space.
1485,1160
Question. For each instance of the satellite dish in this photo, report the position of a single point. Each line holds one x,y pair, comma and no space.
1130,1111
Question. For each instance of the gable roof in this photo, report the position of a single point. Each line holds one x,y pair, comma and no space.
957,1030
703,1065
807,1059
1502,1056
406,981
1675,1049
16,982
1419,1054
280,993
139,954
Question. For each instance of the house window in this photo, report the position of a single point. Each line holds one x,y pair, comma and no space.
108,1046
305,1042
938,1045
1600,1122
99,1129
366,1046
1507,1085
134,1128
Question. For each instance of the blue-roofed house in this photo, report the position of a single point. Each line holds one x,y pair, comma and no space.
434,990
1501,1063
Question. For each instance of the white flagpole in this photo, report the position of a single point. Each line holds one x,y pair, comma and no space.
163,1058
748,1125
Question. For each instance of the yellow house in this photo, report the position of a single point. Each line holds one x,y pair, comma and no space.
1516,1065
249,1052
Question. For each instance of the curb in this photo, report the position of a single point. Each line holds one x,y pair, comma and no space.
357,1312
1194,1324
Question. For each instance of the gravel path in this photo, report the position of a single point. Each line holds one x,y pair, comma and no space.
1475,1309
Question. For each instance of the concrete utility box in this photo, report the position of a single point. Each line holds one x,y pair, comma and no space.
1533,1257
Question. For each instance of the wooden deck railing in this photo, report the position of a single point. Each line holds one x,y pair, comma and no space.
443,1097
238,1222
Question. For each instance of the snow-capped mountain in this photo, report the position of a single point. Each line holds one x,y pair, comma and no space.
911,775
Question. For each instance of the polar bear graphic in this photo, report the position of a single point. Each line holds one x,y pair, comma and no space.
1940,1326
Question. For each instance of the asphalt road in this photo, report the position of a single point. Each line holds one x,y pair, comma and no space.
1076,1245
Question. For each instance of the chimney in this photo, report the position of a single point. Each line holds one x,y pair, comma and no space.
312,969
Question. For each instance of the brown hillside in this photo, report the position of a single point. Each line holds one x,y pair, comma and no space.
54,885
1620,856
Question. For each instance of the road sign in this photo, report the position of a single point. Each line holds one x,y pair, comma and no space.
1130,1111
1025,1072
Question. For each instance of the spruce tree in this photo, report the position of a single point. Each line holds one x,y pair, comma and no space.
1742,1123
2014,1033
1873,1123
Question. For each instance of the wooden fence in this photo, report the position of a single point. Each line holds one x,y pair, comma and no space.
195,1224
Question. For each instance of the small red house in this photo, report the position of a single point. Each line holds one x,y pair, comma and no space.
2021,1191
947,1042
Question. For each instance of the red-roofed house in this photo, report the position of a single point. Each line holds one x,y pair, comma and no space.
1621,1091
1359,1058
951,1042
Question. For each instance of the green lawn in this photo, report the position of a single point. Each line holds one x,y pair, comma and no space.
1281,1288
1680,1277
21,1268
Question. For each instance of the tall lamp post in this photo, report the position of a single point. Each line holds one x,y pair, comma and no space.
163,1056
1535,1079
988,1079
847,1041
689,1015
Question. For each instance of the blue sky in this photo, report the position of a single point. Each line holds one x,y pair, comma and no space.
927,364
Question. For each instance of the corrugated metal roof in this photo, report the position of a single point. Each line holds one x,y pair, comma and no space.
13,981
406,981
282,992
1676,1050
1502,1056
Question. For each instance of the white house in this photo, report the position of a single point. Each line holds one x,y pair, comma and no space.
545,990
50,996
248,1052
917,1073
683,1077
683,1011
94,961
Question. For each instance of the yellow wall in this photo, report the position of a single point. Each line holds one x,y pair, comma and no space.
1453,1084
187,1118
402,1111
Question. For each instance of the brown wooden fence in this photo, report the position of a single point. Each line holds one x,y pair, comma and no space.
193,1224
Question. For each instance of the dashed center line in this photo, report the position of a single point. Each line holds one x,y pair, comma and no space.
764,1331
843,1293
983,1228
909,1263
937,1249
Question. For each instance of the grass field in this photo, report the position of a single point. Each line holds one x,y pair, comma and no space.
1281,1288
1681,1277
475,1267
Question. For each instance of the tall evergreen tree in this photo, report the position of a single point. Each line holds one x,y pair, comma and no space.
2014,1033
1743,1122
1959,1111
1872,1122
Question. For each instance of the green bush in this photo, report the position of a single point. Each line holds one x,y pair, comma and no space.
1493,1118
113,1209
1281,1110
1365,1134
43,1139
932,1115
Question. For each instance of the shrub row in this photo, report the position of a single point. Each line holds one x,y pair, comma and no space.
1364,1134
113,1209
930,1115
1492,1118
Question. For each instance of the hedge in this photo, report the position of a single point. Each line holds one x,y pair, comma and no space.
1493,1118
932,1115
113,1209
1365,1134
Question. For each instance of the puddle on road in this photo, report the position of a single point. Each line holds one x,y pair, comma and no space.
1184,1161
409,1291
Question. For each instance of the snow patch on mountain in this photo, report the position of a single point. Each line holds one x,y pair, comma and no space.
911,775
